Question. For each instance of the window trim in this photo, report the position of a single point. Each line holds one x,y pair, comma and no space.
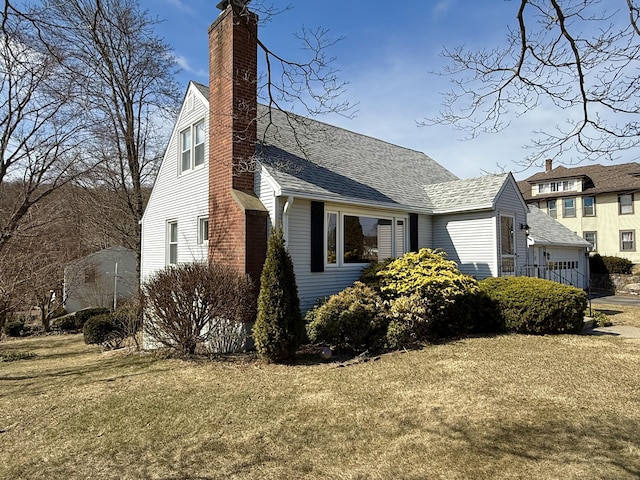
340,216
508,256
192,130
593,207
564,207
620,205
202,238
633,240
554,209
170,242
594,244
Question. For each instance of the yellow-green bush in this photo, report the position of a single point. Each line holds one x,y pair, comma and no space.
352,320
429,275
536,306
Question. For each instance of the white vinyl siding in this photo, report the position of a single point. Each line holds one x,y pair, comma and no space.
181,198
469,239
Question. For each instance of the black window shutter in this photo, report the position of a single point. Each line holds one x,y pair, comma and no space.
413,232
317,236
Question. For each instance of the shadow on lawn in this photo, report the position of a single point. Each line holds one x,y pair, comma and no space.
600,442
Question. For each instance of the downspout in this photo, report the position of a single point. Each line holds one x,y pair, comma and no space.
285,220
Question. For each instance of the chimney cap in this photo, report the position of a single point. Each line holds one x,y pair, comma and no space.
223,4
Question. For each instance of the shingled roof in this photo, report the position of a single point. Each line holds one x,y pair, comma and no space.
477,193
596,179
317,160
544,230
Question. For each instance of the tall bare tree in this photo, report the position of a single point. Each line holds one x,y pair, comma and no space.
578,57
126,84
41,128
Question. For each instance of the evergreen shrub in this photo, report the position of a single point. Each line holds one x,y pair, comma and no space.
429,275
13,327
409,321
279,328
536,306
352,320
98,329
65,323
81,316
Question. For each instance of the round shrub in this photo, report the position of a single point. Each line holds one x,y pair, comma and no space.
409,321
352,320
536,306
13,327
81,316
98,329
369,275
66,323
428,274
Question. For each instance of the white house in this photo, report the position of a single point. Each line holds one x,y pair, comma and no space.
234,168
555,252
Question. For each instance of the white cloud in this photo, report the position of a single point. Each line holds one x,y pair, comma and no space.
181,5
200,74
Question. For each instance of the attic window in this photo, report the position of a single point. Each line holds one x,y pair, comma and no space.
192,147
558,186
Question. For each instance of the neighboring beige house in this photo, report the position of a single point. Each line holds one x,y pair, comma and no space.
598,202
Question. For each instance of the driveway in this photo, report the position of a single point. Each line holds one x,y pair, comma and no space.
622,331
632,300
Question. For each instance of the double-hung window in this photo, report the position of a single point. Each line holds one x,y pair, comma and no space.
625,204
588,206
172,242
569,207
203,230
627,241
354,239
552,208
192,146
591,237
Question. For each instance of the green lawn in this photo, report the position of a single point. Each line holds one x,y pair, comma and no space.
513,406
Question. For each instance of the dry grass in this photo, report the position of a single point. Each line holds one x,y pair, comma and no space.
564,407
620,314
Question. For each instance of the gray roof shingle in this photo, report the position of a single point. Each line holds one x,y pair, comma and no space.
596,179
314,159
545,230
464,195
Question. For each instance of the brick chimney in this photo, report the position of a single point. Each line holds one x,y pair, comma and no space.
548,165
237,218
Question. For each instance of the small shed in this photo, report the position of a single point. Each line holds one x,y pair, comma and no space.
101,279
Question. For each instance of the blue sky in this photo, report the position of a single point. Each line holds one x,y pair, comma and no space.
387,56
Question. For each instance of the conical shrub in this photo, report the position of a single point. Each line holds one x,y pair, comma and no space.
279,328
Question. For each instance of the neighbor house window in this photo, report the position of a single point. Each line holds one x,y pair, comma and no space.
362,239
203,230
172,243
588,206
192,146
591,237
507,245
332,238
625,204
90,275
552,209
627,241
569,207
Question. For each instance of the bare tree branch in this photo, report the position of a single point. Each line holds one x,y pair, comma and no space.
574,56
